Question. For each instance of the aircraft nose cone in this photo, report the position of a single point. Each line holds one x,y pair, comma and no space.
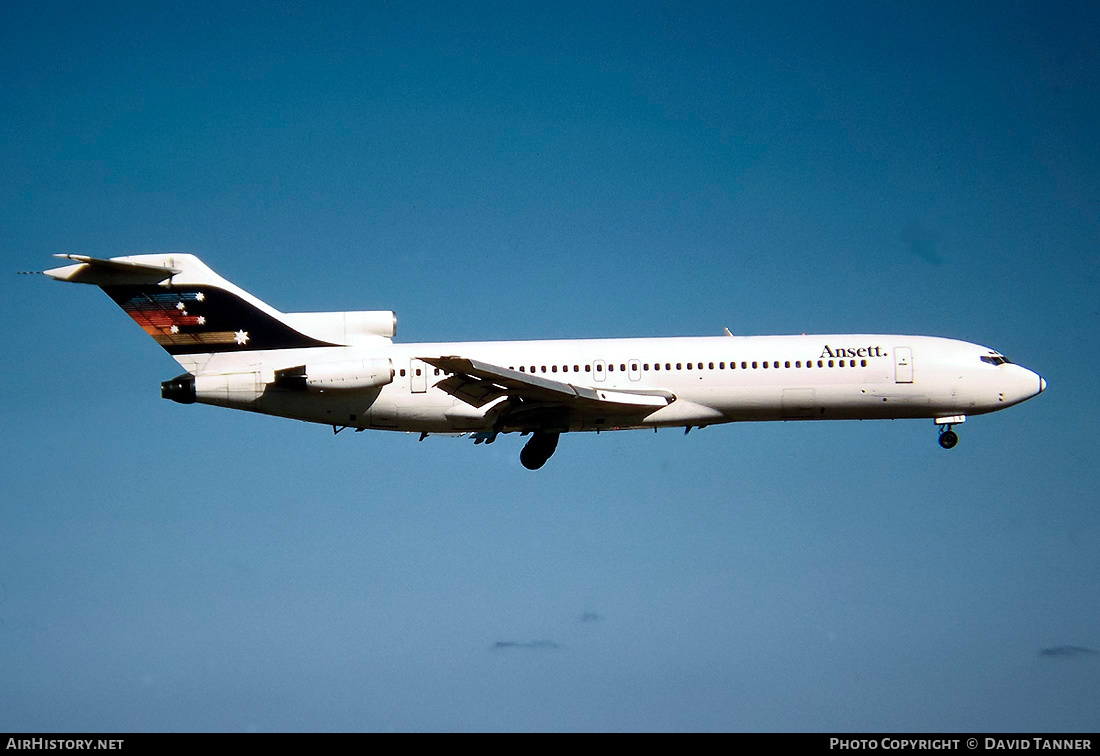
1042,384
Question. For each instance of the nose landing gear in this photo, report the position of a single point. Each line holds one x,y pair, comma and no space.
948,437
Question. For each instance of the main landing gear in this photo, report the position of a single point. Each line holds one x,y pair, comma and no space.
948,438
539,449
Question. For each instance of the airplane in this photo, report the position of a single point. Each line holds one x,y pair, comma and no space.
343,369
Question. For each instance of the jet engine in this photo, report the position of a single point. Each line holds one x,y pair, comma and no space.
337,376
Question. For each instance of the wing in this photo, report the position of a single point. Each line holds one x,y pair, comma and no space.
479,383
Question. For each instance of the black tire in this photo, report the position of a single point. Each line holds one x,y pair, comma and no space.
539,449
948,439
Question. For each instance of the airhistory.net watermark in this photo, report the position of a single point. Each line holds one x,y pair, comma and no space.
59,744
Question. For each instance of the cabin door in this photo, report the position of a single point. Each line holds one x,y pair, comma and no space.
598,370
418,375
903,365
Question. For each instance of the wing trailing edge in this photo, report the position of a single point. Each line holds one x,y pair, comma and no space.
479,383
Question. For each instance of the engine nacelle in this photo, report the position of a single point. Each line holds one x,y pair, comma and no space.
337,376
239,390
348,328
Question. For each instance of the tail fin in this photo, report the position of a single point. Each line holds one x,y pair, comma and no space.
185,306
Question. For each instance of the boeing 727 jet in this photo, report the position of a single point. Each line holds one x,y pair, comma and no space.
343,369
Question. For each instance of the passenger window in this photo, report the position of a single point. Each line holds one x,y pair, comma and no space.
754,366
402,372
821,364
721,366
798,363
689,366
668,366
787,364
679,366
863,363
553,368
587,368
830,363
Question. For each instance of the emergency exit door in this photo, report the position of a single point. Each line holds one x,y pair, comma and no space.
418,376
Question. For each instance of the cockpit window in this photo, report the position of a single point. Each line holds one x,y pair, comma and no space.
996,359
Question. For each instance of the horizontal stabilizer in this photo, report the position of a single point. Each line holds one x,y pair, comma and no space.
92,270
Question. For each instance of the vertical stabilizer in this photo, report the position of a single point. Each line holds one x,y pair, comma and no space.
185,306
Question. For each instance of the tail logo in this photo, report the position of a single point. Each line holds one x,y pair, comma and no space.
170,318
204,319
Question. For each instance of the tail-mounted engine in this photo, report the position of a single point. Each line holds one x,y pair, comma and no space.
337,376
243,389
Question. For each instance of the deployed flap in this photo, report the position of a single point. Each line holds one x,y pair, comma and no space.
478,383
474,392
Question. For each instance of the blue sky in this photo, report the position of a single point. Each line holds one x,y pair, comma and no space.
497,171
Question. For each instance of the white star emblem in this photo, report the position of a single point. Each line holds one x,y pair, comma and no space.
175,329
179,305
241,337
202,320
200,296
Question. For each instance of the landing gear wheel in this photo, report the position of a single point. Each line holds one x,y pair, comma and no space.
948,439
539,449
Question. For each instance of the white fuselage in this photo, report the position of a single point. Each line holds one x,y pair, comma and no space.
343,368
714,380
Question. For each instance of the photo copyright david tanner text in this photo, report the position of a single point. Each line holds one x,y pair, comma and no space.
958,744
